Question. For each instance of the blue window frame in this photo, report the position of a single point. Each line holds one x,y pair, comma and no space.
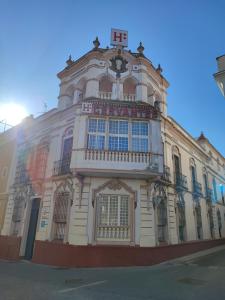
96,134
118,135
140,136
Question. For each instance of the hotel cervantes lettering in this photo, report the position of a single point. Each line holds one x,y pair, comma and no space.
133,110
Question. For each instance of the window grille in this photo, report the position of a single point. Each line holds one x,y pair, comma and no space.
18,212
21,167
198,221
162,220
60,214
113,217
41,161
214,190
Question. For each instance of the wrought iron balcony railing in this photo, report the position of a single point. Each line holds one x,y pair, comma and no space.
196,189
209,196
61,167
180,181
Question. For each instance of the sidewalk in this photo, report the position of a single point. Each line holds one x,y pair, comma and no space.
189,258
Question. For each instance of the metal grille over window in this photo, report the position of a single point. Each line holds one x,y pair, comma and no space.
113,217
60,214
18,212
162,220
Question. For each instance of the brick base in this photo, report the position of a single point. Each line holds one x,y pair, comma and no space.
65,255
9,247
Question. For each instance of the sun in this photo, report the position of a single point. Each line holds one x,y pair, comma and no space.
12,113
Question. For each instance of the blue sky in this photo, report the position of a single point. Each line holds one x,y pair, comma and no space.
185,37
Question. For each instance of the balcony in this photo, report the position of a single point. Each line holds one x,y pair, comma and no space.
196,189
89,162
105,95
61,167
129,97
209,196
180,182
125,97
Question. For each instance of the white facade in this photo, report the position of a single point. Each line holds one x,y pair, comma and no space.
102,164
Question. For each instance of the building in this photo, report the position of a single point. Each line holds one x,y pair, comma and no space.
7,154
108,167
220,75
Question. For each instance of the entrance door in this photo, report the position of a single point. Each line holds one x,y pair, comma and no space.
32,228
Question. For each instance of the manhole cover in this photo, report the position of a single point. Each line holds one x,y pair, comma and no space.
191,281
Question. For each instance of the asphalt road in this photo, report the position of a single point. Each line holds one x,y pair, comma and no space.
200,278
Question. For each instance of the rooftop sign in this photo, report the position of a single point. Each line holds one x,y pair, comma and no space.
119,37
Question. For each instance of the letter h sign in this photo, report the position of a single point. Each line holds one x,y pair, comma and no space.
119,37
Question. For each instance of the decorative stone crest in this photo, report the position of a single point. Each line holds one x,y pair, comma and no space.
118,64
115,184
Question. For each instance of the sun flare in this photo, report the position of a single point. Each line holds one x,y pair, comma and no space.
12,113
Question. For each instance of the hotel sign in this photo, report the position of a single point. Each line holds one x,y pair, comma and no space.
119,37
131,110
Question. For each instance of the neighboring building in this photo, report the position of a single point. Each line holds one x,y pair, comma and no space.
7,154
109,167
220,75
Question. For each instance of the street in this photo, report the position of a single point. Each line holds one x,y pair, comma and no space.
199,278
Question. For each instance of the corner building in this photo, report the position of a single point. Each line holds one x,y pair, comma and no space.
109,167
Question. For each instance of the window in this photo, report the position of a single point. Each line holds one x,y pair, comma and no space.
118,135
140,136
18,212
214,190
60,214
205,184
96,134
114,135
113,217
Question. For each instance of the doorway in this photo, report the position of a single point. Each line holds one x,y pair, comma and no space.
32,228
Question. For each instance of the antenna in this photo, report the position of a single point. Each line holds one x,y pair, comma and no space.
4,126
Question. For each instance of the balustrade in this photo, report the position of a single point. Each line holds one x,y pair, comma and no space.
118,156
113,232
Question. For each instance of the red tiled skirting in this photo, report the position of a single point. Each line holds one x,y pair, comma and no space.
65,255
9,247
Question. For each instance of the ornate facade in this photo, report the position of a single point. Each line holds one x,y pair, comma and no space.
109,167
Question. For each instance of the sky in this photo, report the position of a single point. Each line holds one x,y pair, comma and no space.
185,37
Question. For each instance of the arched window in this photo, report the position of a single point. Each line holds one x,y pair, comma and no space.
129,89
105,88
205,182
160,205
177,166
215,190
67,146
41,158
